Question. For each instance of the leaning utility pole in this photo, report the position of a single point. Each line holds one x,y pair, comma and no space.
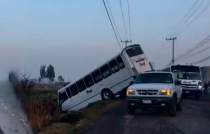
126,42
174,38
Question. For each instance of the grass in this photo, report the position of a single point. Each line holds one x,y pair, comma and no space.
44,115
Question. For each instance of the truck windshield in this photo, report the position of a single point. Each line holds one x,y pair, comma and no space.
188,75
154,78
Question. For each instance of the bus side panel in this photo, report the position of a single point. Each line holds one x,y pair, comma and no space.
85,103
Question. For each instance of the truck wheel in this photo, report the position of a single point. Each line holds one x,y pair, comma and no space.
172,108
131,110
197,97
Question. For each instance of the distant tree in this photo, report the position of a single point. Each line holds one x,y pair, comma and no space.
60,79
42,72
39,79
50,74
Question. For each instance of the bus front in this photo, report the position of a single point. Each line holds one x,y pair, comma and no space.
190,77
137,59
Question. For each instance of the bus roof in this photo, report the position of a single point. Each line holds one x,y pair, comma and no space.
130,46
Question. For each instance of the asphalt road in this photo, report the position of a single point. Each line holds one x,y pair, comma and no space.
12,118
193,119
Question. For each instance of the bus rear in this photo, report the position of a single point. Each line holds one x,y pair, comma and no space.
137,59
190,77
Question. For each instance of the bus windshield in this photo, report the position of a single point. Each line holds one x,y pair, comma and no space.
134,51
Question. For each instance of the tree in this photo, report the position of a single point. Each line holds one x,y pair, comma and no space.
60,79
50,74
42,72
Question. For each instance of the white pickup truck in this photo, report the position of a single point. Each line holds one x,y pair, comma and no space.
155,90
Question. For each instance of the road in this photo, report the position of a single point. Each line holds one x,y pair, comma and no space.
12,118
193,119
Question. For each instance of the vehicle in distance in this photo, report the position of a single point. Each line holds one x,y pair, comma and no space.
190,77
155,90
108,80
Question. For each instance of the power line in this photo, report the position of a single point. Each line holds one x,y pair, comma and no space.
204,9
198,52
123,19
194,11
111,24
203,42
113,19
189,10
202,60
186,15
200,13
129,18
172,33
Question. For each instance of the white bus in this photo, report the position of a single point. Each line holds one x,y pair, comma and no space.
105,82
191,79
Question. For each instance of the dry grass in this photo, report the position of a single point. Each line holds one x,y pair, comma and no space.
44,114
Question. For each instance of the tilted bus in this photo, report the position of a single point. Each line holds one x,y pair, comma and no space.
105,82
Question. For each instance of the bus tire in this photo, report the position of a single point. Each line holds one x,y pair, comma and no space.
107,94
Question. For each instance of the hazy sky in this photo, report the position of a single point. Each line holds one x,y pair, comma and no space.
76,36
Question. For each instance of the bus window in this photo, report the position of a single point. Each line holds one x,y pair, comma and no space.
74,90
105,71
134,51
120,62
88,81
81,85
68,92
97,76
62,97
113,66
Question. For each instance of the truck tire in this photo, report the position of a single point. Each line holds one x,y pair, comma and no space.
172,108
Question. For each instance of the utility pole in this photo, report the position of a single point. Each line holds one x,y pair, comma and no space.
174,38
126,42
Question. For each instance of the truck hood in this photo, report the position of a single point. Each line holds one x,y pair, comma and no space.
146,86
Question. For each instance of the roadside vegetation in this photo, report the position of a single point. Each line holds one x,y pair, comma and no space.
44,115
